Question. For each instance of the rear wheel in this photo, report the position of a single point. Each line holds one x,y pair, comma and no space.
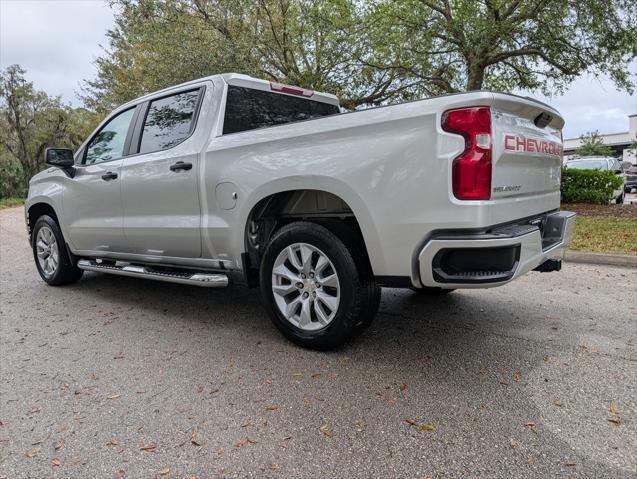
50,254
316,292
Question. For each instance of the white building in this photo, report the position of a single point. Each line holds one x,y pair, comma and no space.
619,142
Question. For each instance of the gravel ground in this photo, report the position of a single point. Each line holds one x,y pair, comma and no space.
117,377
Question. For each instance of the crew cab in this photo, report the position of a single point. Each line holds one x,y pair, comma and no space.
235,179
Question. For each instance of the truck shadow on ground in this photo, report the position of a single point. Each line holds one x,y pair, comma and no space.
404,316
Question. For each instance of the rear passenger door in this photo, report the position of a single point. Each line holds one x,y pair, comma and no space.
162,215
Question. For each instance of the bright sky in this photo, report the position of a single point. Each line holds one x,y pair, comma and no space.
58,41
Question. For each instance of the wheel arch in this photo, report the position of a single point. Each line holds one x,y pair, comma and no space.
35,210
277,195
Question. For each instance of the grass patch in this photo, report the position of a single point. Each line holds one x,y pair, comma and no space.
10,202
602,234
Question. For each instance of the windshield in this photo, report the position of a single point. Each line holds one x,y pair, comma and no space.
588,165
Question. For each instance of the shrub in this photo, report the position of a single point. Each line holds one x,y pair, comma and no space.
12,184
589,186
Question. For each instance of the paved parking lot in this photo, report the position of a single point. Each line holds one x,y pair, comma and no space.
116,377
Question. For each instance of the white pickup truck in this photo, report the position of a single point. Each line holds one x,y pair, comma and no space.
230,178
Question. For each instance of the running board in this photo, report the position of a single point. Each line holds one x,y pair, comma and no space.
208,280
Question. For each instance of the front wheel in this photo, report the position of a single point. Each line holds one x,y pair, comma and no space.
620,199
49,251
316,291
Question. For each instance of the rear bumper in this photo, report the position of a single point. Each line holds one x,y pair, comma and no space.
495,256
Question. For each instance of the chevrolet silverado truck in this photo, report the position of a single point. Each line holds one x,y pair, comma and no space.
235,179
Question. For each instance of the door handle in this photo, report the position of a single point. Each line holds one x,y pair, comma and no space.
108,176
180,165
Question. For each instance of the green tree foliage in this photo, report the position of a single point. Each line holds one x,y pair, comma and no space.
589,186
31,121
593,145
368,53
459,45
310,43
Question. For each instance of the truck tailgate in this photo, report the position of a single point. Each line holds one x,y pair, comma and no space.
527,148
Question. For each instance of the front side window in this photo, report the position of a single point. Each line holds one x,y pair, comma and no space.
249,109
108,143
169,121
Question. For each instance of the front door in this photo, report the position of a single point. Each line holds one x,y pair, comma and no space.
162,215
93,201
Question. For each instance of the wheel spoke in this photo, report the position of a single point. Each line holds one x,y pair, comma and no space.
306,258
284,289
330,301
284,272
292,306
294,259
330,281
306,315
321,264
320,314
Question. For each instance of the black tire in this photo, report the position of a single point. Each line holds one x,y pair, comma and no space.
66,271
620,199
628,189
359,294
425,291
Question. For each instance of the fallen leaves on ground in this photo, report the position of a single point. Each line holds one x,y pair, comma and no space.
615,422
59,445
361,424
612,408
516,376
419,426
148,447
244,441
165,470
113,442
325,429
558,403
531,425
194,439
114,396
404,387
55,462
33,452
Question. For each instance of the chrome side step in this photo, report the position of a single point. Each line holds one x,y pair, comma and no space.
208,280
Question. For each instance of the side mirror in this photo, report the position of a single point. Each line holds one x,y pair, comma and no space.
59,157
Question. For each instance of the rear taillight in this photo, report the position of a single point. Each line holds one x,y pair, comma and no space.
471,171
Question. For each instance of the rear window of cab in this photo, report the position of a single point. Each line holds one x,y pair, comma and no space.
249,109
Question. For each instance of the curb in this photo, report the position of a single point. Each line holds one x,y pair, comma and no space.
626,260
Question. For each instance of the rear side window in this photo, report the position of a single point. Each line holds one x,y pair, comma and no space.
169,121
248,109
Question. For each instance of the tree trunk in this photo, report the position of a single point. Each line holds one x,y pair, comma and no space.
475,77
